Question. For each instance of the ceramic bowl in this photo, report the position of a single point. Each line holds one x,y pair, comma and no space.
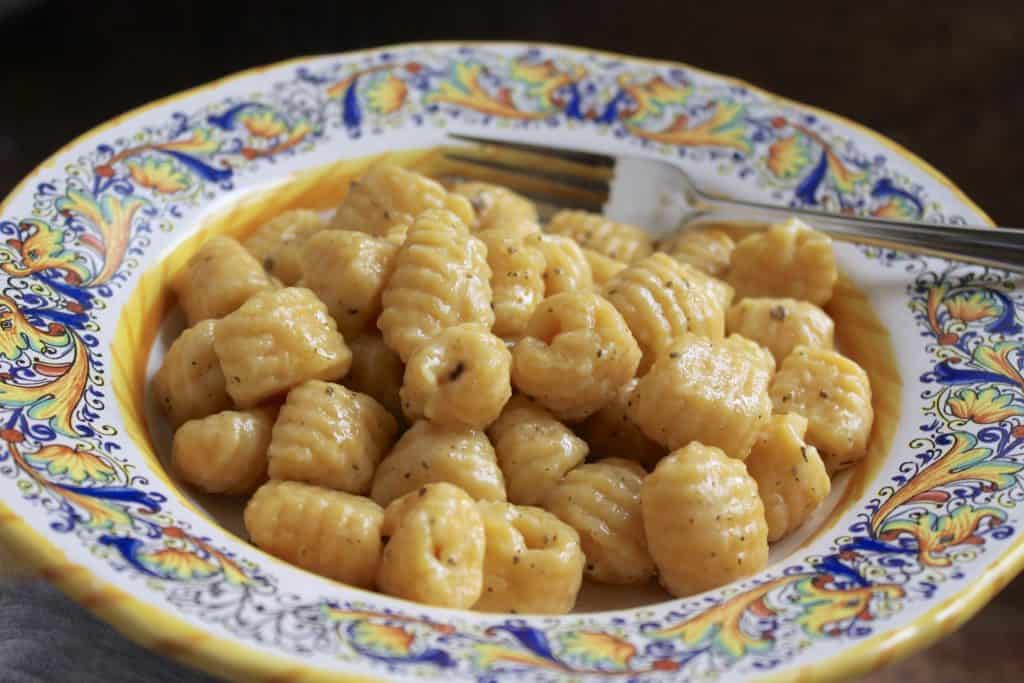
912,542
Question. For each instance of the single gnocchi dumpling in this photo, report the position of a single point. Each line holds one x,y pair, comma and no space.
388,195
602,268
460,378
498,208
577,353
789,259
565,267
533,563
790,475
330,436
430,453
435,548
517,279
219,278
708,250
834,394
225,452
611,433
699,389
661,298
704,520
601,501
441,279
620,241
376,371
534,450
347,270
278,244
190,383
277,340
330,533
780,325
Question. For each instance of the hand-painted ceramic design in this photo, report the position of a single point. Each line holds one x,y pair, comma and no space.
936,529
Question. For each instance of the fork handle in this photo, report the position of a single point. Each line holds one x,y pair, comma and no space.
994,247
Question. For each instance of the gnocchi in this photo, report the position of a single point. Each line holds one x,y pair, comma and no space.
460,378
430,453
703,519
330,436
513,354
577,353
533,449
834,394
276,340
699,389
347,270
334,534
619,241
278,244
218,279
601,501
225,452
440,279
190,383
790,475
780,325
789,259
435,547
533,562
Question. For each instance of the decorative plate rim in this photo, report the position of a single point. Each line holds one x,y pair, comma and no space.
165,632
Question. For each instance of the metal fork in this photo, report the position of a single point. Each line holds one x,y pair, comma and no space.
663,198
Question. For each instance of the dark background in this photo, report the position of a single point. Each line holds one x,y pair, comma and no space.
944,79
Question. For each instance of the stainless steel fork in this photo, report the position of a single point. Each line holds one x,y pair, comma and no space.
663,198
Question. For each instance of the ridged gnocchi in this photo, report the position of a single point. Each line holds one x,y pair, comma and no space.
190,383
441,279
517,279
330,436
225,452
376,371
388,195
276,340
219,278
430,453
611,433
460,378
331,533
834,394
533,449
780,325
601,501
434,552
577,353
661,299
278,244
533,562
789,260
498,208
602,268
347,270
620,241
708,249
790,475
566,269
703,519
700,389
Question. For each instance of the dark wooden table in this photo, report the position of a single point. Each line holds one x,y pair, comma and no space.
945,81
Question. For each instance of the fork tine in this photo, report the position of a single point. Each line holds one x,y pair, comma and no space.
451,171
588,158
600,186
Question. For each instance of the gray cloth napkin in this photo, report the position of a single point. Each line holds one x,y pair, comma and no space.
45,637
